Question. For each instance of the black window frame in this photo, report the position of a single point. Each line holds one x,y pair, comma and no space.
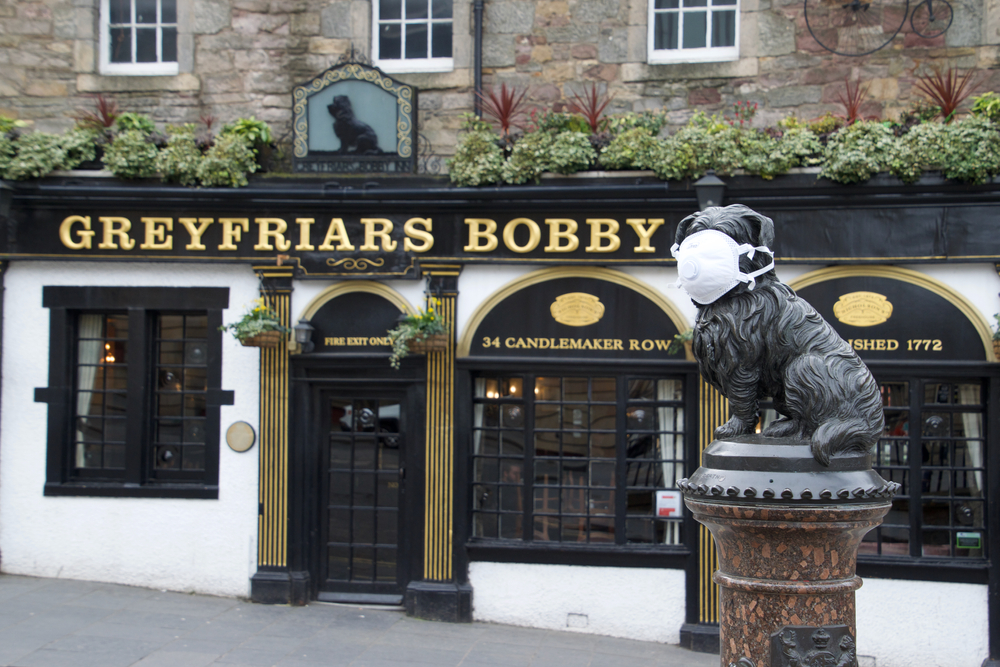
598,554
142,304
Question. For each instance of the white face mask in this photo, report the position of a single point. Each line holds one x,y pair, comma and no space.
708,265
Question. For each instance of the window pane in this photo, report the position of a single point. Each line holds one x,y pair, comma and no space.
416,41
441,9
390,42
168,11
441,40
416,9
120,11
723,28
169,36
121,45
665,31
695,24
390,10
145,11
145,45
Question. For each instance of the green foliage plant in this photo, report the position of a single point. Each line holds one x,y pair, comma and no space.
634,148
227,163
478,160
9,125
255,132
178,162
987,106
856,152
130,155
139,122
258,318
7,153
507,107
571,152
678,341
529,158
996,326
416,327
651,121
78,147
921,148
35,155
971,151
591,105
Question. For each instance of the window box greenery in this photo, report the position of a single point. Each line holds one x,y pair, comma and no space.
419,333
260,326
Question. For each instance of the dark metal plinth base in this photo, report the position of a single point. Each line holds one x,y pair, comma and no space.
700,638
279,587
446,601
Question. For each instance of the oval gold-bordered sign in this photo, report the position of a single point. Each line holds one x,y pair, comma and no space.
862,309
240,436
577,309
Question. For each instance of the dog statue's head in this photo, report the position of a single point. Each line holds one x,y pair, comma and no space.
341,108
744,226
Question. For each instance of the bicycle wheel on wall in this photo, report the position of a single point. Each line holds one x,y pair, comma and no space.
931,18
855,27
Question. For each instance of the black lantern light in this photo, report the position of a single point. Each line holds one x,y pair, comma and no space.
303,336
711,189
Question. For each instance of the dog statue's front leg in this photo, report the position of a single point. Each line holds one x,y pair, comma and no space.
744,405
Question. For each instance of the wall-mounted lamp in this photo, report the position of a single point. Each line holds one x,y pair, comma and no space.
710,189
303,337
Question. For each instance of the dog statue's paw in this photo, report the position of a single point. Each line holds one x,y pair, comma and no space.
783,427
735,426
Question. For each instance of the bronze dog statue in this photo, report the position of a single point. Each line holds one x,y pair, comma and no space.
759,340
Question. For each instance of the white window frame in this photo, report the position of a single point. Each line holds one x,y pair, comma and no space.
393,65
700,55
132,68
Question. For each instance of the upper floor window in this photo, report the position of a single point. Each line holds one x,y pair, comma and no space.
412,35
139,37
693,30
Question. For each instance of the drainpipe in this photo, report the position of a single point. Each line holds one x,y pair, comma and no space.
477,19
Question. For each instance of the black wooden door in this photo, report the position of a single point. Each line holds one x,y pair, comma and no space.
363,555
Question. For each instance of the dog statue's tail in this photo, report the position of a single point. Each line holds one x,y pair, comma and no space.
842,436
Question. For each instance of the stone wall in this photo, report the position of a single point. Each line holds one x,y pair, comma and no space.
242,58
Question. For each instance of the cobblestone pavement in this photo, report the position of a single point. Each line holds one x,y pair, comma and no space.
66,623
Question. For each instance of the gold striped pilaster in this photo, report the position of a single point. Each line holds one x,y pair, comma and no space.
272,528
440,439
714,411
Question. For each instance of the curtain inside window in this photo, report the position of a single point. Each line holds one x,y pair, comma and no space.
670,445
89,356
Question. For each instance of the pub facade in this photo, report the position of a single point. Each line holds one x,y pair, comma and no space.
523,473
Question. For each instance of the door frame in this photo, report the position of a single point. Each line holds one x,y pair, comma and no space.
314,379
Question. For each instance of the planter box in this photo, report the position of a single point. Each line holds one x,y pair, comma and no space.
433,343
263,339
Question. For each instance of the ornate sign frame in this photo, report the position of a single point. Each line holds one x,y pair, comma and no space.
404,158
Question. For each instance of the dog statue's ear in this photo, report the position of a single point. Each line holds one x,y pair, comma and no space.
682,227
765,234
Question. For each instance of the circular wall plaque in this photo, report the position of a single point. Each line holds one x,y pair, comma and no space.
240,437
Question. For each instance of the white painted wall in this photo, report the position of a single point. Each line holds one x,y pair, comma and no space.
634,603
922,623
206,546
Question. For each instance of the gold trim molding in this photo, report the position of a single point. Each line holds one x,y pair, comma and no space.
909,276
545,275
371,287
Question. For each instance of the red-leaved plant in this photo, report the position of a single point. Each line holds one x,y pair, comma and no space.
948,90
506,107
856,94
591,106
101,118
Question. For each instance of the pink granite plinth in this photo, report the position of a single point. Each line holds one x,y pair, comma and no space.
783,565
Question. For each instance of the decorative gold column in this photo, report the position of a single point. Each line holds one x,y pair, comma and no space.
272,540
714,413
440,435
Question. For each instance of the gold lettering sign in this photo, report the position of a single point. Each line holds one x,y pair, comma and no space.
862,309
577,309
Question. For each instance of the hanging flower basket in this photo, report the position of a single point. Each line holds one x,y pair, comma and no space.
263,339
433,343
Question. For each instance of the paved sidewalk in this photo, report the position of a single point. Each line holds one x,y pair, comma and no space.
66,623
